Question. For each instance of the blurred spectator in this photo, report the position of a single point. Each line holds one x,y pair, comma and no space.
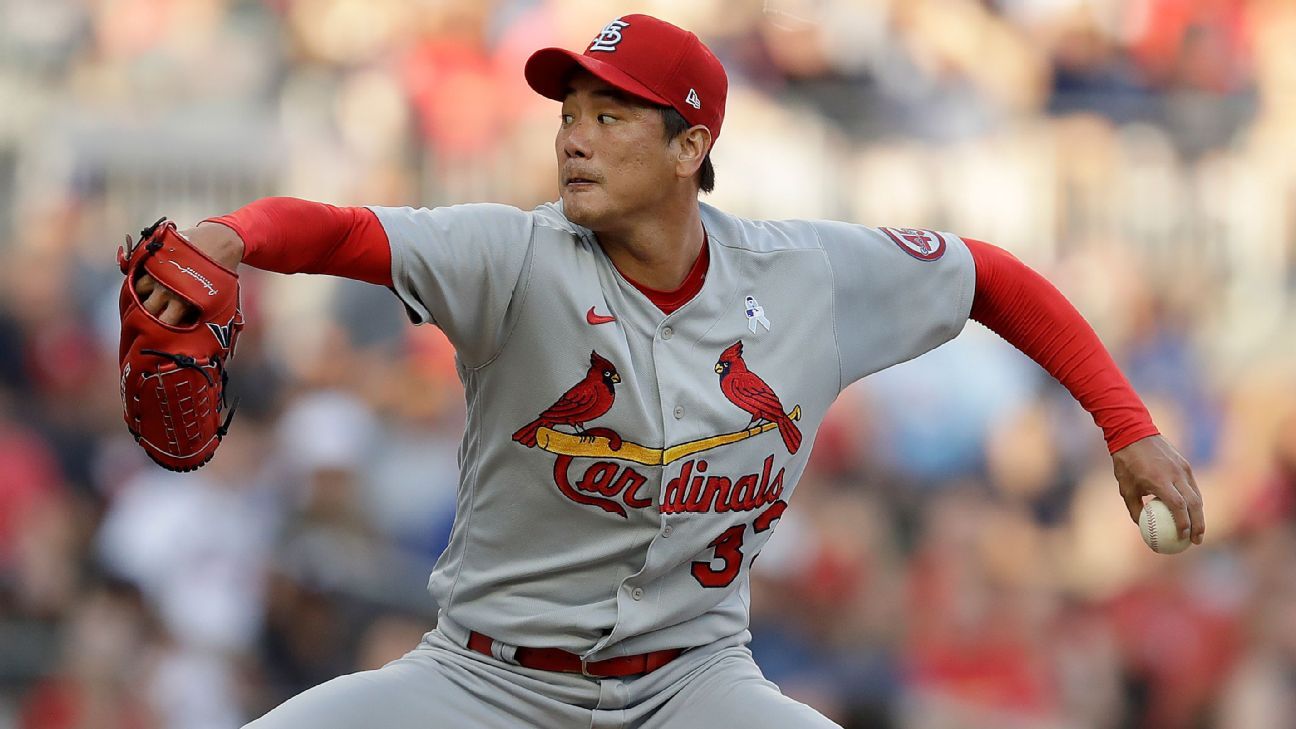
103,666
38,547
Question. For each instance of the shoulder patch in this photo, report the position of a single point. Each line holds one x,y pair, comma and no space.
925,245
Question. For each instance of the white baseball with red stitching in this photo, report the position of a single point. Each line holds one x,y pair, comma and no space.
1158,527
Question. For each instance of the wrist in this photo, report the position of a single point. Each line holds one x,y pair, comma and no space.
221,242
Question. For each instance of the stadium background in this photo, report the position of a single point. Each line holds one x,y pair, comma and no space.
957,555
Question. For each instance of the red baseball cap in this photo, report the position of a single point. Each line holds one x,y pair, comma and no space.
647,58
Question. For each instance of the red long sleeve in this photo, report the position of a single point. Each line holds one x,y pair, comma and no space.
289,235
1026,310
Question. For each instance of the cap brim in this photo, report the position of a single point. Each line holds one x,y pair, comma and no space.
549,70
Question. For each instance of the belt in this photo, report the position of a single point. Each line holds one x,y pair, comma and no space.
554,659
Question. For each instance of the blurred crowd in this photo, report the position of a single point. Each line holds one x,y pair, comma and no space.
957,555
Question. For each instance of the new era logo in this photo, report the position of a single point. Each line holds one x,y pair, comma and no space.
693,100
609,37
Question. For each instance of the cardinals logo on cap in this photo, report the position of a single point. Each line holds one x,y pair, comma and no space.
609,37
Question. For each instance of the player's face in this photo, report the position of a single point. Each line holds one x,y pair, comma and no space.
613,156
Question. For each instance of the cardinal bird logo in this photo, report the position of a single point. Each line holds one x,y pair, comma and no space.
749,392
586,400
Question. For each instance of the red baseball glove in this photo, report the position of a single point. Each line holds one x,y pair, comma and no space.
173,378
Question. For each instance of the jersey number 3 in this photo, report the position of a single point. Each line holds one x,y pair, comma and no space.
728,549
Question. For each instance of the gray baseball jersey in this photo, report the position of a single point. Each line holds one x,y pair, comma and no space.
621,468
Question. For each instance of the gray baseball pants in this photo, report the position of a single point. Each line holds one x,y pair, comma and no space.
443,684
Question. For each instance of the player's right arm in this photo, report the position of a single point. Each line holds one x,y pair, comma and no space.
285,235
457,267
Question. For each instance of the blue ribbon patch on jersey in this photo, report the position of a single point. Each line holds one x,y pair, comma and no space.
756,315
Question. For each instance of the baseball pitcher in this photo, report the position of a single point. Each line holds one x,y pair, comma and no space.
644,374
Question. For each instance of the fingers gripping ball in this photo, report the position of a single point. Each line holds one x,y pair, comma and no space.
173,378
1158,527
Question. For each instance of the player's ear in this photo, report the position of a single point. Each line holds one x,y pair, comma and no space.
692,147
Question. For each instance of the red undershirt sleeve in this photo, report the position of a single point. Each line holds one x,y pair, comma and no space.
289,235
1020,305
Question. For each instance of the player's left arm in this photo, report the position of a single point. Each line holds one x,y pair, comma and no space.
1021,306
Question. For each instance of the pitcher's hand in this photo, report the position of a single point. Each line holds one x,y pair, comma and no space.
219,242
1152,467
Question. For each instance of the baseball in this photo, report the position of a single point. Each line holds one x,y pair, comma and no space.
1158,527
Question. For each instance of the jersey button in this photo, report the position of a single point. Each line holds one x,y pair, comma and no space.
637,593
667,332
679,411
667,530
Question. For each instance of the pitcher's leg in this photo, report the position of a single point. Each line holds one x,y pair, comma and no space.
732,693
429,688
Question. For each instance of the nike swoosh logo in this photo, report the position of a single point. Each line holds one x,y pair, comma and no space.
593,318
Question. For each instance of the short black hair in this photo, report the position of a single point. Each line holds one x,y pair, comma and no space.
676,125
